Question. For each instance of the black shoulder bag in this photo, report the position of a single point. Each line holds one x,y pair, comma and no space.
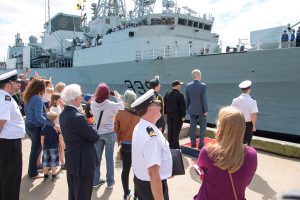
99,120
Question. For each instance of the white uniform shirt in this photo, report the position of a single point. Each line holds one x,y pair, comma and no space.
148,151
246,104
14,127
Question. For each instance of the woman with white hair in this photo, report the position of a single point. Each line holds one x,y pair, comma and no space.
79,137
228,165
125,121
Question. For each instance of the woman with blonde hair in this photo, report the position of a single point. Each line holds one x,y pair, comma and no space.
125,121
35,119
59,87
228,165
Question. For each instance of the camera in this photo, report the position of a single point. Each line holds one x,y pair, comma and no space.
112,93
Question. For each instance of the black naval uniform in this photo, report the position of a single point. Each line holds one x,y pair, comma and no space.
161,122
175,109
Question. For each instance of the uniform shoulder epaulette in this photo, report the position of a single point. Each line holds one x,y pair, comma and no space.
7,98
253,98
150,131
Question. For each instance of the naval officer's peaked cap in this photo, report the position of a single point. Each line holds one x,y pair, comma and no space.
9,76
145,100
245,84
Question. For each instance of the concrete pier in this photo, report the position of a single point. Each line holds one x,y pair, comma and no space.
275,174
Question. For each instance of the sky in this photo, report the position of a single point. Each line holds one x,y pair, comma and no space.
234,19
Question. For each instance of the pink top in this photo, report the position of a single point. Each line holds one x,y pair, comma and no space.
216,183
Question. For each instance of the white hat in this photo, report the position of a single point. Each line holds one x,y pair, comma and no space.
9,76
245,84
145,100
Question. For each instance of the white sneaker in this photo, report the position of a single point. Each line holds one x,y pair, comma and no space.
101,182
110,186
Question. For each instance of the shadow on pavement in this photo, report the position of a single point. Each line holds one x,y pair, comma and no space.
40,191
261,186
104,196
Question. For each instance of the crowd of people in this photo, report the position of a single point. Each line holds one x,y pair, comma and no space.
291,40
64,134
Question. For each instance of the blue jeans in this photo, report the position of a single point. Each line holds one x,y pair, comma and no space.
193,126
108,141
34,134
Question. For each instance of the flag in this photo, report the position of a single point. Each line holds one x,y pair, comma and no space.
36,74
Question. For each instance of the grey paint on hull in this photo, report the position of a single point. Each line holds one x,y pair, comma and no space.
275,74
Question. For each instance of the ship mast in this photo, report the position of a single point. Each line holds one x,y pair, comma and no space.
142,7
109,8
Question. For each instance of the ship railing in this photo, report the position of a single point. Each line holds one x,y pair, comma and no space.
173,52
273,45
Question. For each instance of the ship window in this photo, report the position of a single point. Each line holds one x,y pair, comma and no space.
207,27
195,24
201,25
168,21
107,21
155,21
182,21
190,23
66,23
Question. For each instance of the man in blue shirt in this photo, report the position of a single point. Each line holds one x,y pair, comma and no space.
284,39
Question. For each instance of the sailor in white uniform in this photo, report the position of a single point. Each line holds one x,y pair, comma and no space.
12,129
151,156
248,107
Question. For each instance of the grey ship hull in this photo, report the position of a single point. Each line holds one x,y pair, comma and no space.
275,74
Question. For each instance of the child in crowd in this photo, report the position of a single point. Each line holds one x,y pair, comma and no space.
56,106
48,93
88,113
49,140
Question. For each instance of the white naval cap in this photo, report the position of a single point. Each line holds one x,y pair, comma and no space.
245,84
9,76
145,100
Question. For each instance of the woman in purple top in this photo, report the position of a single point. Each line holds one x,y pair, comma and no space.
228,155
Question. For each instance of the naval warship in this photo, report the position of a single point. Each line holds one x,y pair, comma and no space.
127,50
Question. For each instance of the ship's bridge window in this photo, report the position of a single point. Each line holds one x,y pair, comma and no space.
190,23
195,24
201,25
207,27
107,21
155,21
168,21
182,21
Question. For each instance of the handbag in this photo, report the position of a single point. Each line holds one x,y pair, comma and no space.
232,185
99,120
178,167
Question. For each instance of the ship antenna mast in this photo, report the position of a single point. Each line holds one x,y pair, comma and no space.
109,8
48,10
143,7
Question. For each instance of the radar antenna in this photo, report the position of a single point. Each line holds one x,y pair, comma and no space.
189,10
